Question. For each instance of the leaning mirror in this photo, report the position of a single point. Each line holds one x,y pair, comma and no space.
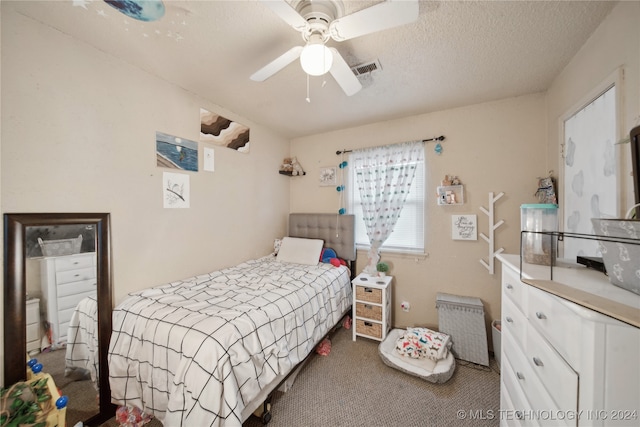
58,301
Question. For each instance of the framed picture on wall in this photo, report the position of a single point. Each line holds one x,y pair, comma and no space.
328,175
464,227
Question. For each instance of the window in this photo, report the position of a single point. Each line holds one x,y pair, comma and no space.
408,233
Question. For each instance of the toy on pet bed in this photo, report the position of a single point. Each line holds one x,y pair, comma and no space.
420,352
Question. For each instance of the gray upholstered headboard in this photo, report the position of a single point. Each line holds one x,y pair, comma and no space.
337,231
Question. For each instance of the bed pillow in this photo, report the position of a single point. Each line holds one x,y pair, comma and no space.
300,251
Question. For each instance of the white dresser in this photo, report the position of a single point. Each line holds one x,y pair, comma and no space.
561,362
33,325
65,281
372,306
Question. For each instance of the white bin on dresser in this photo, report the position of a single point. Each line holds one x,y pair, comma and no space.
462,318
66,280
563,361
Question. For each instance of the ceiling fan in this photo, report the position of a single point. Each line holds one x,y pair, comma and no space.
320,20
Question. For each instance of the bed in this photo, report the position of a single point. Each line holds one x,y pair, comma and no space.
81,354
209,350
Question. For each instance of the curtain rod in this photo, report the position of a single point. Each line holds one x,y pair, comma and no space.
437,138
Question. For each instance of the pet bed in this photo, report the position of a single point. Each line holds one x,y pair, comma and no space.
430,370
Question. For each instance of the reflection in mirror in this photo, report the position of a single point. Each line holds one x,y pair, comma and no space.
58,303
61,273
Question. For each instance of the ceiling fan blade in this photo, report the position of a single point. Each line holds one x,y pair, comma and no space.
287,13
277,64
341,71
382,16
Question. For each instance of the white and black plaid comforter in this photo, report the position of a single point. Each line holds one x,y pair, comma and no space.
82,340
194,352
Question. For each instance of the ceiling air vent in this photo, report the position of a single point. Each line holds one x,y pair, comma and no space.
367,68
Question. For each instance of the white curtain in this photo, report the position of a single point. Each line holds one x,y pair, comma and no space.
383,177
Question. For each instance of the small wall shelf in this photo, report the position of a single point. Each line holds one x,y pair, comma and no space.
287,173
450,195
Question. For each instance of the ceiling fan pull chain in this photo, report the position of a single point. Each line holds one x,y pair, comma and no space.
308,99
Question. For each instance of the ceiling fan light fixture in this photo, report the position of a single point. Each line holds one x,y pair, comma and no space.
316,59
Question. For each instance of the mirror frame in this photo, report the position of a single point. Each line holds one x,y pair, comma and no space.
15,296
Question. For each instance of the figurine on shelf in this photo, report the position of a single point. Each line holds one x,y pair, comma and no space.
297,168
287,165
446,181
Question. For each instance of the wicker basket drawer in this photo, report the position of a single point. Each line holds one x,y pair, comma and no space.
371,329
364,293
369,311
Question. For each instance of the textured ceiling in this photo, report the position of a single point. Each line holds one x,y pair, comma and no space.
457,53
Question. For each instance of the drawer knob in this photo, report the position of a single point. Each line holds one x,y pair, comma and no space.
540,315
369,290
509,286
508,319
537,362
519,375
368,324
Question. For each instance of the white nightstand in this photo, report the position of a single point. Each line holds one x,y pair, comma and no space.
33,325
372,306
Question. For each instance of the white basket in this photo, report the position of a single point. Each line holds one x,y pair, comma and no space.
463,319
60,247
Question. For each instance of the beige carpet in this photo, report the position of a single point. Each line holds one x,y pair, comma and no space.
353,387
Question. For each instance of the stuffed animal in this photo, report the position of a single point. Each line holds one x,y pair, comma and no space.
329,256
297,168
287,165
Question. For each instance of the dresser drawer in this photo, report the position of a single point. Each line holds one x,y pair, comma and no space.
559,379
70,302
74,288
71,276
371,329
557,323
513,321
33,332
369,311
33,311
364,293
513,288
74,262
534,391
516,414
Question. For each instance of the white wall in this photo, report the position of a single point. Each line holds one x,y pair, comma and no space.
78,135
614,45
492,147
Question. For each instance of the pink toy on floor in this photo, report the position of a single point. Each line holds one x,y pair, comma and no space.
347,322
324,348
131,417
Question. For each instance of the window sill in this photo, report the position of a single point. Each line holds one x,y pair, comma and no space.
400,253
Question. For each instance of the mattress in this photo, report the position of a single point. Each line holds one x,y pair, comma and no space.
197,351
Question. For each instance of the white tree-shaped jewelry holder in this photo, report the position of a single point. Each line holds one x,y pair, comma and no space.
492,228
